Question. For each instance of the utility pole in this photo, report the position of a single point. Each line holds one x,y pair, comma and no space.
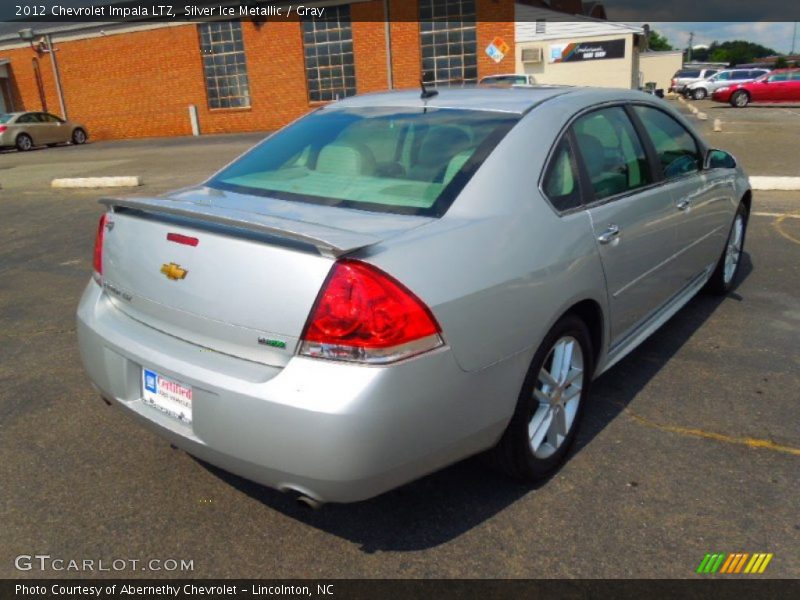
691,45
794,37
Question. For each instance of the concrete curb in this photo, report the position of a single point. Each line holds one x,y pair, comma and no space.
765,183
96,182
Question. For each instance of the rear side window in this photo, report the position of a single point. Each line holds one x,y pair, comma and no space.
612,152
709,73
399,160
677,149
4,118
687,74
738,75
561,179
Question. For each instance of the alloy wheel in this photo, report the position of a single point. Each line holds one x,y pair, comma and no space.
733,252
558,393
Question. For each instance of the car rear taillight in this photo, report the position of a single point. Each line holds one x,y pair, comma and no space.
364,315
98,248
3,128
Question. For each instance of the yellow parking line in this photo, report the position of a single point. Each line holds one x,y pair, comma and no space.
711,435
778,225
769,214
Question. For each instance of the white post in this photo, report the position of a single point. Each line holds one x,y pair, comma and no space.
194,120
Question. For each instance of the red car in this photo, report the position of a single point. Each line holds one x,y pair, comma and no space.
781,85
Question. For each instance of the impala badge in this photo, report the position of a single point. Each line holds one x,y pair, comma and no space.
173,271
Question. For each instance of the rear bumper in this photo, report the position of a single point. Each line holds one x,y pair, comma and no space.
333,431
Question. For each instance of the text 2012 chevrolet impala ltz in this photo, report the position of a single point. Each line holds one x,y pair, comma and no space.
396,282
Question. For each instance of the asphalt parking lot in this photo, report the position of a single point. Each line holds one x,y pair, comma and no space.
691,444
762,136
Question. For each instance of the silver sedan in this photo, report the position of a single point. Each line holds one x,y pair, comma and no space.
25,130
398,281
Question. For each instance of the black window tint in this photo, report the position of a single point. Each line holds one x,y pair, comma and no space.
741,75
709,73
612,152
676,148
561,184
688,74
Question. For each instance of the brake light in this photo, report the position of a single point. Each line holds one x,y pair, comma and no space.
98,247
364,315
3,128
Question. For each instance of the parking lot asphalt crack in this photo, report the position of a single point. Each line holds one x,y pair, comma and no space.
711,435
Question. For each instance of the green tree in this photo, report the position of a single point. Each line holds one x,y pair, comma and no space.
658,42
737,52
781,63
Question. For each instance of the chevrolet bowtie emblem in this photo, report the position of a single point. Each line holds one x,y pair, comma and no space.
174,271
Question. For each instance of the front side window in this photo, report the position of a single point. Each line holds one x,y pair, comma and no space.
398,160
677,149
561,185
614,157
224,64
329,58
448,41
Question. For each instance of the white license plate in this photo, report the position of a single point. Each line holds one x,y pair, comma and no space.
167,395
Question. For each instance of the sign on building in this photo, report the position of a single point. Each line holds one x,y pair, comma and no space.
580,51
498,49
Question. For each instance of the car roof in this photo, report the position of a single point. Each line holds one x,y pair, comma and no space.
517,100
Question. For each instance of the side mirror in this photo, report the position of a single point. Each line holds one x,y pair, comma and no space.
719,159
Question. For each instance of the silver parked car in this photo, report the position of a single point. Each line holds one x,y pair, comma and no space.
24,130
686,77
704,88
393,283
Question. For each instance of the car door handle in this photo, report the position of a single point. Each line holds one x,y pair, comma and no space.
683,204
609,235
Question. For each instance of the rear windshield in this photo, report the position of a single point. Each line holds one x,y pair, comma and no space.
687,74
510,79
398,160
4,118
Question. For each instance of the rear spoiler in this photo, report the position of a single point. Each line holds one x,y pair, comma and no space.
330,241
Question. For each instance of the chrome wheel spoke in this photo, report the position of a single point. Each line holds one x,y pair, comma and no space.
539,426
546,378
542,396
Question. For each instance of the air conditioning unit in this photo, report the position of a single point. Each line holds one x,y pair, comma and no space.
532,55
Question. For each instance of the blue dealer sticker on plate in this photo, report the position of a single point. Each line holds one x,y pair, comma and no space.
150,381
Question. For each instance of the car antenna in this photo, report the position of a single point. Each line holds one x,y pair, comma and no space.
426,93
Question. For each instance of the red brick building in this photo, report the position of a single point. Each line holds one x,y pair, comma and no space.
138,80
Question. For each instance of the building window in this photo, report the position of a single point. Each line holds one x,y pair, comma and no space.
224,64
448,41
328,46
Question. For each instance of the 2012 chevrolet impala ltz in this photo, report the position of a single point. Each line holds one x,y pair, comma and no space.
398,281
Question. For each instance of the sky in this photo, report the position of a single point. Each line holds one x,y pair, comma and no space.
770,34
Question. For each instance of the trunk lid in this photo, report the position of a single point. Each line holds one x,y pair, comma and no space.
244,272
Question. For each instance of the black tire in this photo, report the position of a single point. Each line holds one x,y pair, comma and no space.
699,94
740,99
24,142
513,454
719,284
79,136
